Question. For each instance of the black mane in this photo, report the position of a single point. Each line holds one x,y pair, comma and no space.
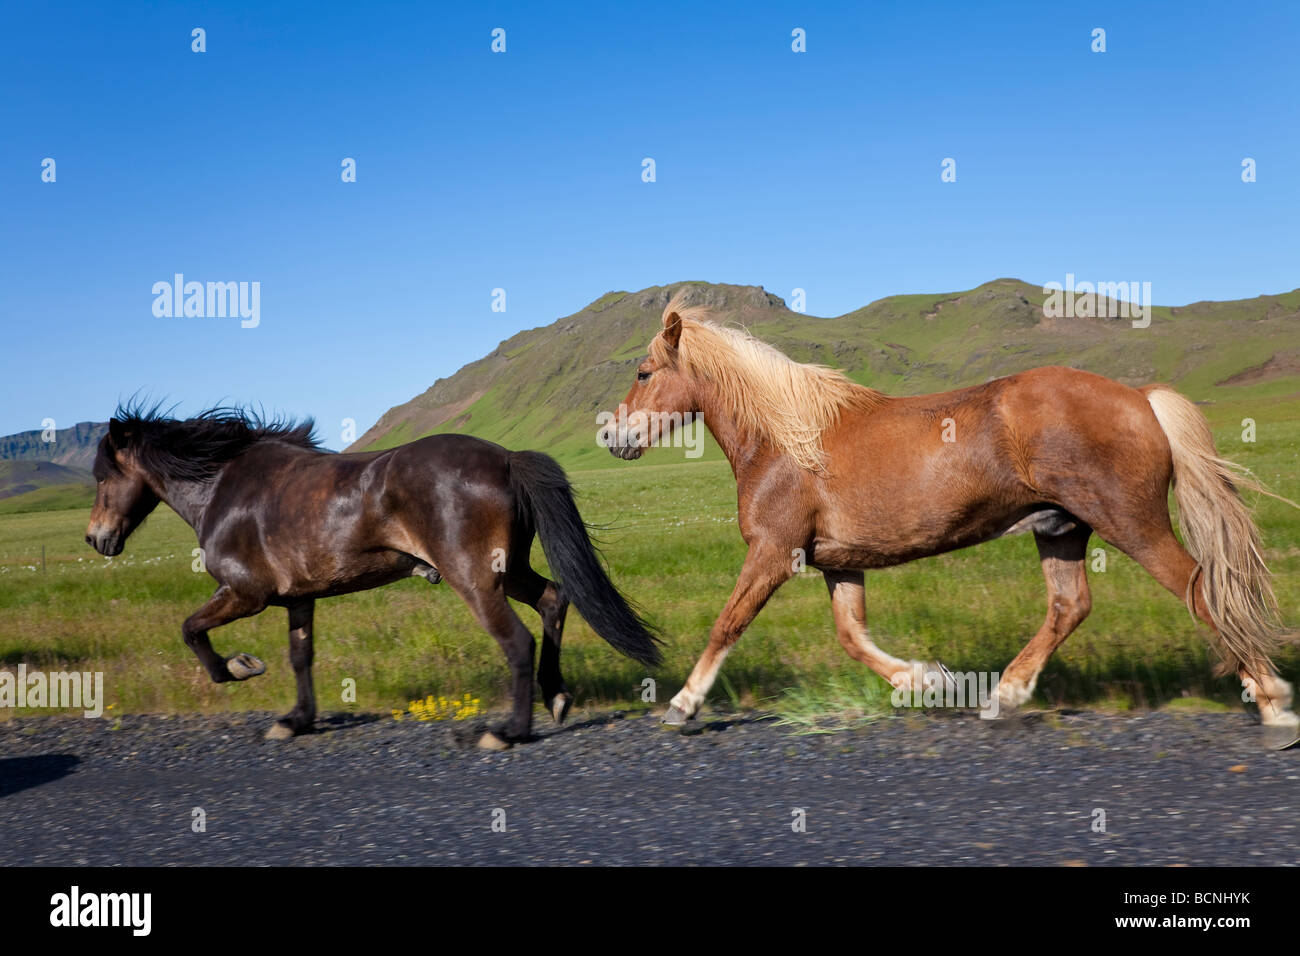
195,449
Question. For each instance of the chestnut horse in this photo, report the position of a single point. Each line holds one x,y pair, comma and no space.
282,522
849,478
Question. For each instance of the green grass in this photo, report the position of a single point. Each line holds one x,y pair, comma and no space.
53,498
673,545
842,702
35,485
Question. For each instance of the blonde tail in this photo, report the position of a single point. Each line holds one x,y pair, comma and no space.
1220,535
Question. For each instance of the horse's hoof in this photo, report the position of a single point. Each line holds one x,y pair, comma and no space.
280,731
946,676
674,716
1011,696
1281,736
560,705
244,666
490,741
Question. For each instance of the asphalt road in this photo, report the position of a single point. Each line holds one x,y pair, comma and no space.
613,789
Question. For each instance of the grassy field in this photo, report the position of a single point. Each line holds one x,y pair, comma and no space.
672,544
43,486
53,498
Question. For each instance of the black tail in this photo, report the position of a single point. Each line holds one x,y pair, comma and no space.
542,490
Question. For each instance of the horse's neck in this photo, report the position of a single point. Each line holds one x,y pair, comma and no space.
740,447
189,499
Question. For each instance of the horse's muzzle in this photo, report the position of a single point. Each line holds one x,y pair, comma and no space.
626,452
109,545
616,441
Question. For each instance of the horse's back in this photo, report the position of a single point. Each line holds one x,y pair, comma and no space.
1057,414
1046,411
950,469
451,459
1089,443
445,485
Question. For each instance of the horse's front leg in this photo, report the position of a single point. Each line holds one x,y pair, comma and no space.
303,716
766,568
222,608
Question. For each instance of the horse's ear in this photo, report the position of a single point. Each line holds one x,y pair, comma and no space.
117,433
672,329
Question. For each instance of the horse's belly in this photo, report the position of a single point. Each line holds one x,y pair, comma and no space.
861,547
327,577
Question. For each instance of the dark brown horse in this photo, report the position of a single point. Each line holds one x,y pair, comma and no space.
842,477
283,522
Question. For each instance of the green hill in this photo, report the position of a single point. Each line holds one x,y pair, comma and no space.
542,388
43,486
39,475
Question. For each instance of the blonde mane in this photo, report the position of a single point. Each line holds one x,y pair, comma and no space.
765,392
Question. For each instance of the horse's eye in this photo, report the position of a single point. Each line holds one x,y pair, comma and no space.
643,376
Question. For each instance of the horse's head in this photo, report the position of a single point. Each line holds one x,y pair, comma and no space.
662,395
123,496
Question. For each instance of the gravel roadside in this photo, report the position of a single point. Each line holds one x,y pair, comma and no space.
610,788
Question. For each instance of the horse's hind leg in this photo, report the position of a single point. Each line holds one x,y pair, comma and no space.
1068,603
303,716
545,597
1170,564
486,598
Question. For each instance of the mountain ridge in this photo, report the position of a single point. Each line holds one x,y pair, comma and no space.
74,447
542,387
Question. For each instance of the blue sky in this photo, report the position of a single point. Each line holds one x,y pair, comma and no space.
522,171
